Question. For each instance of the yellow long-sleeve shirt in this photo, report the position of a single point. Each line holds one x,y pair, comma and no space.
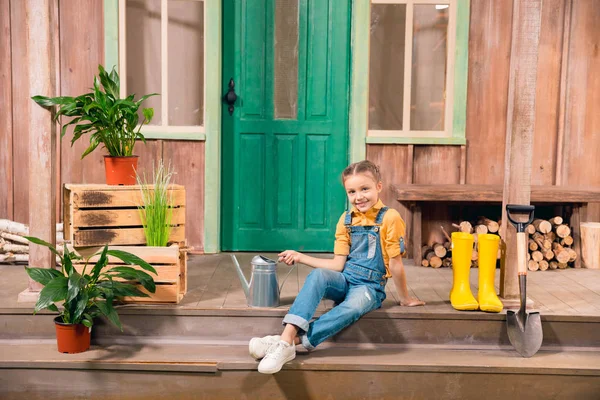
392,230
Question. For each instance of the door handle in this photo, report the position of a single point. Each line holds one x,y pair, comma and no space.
230,97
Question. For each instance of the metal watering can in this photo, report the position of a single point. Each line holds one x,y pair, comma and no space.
263,289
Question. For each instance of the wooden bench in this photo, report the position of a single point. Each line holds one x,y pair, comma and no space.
413,196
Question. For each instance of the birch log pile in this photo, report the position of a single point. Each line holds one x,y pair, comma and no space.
549,245
13,245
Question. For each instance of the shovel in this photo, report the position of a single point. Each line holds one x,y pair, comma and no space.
524,330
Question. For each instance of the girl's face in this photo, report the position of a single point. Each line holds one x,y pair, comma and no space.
362,190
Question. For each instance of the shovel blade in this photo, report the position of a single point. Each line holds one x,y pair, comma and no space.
525,334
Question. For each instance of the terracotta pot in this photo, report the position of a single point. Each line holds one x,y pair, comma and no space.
120,170
71,338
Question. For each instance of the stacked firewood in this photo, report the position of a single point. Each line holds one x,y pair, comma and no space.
13,246
439,254
549,245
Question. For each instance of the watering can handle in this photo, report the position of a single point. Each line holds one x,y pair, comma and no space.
284,279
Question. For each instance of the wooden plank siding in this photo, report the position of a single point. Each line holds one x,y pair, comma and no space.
82,49
582,121
6,156
20,112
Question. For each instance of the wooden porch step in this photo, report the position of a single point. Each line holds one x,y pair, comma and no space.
211,358
190,370
377,328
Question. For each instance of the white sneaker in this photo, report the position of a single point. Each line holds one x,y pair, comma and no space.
258,346
277,355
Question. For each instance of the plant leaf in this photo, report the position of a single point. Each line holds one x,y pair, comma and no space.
43,275
132,274
81,305
67,263
101,263
54,291
106,308
43,243
52,307
121,289
132,259
74,286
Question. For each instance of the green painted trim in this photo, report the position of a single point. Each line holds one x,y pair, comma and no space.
212,126
461,66
174,136
416,140
359,83
111,34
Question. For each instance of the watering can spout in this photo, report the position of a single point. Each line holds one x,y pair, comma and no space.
240,273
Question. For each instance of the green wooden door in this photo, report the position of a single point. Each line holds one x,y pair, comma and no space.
286,143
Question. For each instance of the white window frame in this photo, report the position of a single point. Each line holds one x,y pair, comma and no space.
406,135
164,130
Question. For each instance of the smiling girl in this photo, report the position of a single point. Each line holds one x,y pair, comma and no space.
368,250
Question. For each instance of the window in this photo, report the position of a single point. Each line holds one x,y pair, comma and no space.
417,71
160,46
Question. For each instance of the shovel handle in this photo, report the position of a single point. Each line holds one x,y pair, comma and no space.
521,253
521,237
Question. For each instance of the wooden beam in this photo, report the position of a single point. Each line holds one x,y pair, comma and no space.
493,193
41,22
520,122
562,101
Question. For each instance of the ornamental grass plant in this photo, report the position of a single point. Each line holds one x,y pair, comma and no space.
156,210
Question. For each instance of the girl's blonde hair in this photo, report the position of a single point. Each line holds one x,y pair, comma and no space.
360,168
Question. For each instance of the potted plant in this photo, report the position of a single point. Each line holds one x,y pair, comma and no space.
83,296
156,209
110,121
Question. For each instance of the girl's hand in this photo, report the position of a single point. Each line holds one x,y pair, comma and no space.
289,257
412,302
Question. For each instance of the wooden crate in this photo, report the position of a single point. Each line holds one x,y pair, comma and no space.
170,264
95,215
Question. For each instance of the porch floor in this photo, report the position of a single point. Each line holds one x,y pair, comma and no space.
214,284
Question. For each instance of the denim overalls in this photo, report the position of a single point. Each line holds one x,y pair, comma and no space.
358,289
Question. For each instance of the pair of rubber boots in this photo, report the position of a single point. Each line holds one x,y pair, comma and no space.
462,249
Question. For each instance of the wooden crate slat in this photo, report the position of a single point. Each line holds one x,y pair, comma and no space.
101,196
164,273
163,294
83,218
151,254
123,236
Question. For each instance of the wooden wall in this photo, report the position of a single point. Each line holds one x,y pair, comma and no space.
566,140
81,31
567,131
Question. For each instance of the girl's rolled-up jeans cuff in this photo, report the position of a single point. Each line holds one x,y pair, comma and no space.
303,325
296,320
307,345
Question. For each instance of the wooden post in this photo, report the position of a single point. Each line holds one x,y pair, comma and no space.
41,30
520,121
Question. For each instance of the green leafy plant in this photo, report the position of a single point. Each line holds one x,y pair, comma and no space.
108,119
84,296
156,211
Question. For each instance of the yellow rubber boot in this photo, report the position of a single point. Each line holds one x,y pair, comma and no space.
488,251
462,249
